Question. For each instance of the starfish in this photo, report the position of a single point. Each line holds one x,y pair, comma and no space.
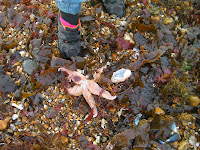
86,87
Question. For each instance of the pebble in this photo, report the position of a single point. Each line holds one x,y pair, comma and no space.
183,145
13,127
64,140
158,111
110,132
103,123
3,124
194,101
14,116
29,66
20,106
168,20
192,140
97,139
104,139
18,123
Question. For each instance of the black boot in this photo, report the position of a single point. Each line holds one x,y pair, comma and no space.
116,7
69,38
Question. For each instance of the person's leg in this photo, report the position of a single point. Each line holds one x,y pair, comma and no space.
69,23
69,27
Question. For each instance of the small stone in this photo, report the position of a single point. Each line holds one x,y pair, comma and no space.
3,124
110,132
97,141
168,20
46,107
37,146
29,66
18,123
24,119
114,56
103,123
64,140
20,106
183,145
13,127
46,126
158,111
113,109
194,101
10,131
192,140
104,139
14,116
175,144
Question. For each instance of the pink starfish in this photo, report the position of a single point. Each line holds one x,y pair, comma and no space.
85,87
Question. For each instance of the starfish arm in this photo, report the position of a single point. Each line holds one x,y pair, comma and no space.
67,72
98,73
107,95
75,90
94,88
90,100
74,75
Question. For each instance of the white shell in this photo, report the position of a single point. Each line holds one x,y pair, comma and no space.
14,116
120,75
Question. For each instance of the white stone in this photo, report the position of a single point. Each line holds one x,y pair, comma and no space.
103,123
20,106
15,116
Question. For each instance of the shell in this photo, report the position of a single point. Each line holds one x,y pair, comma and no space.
173,138
120,75
173,128
137,119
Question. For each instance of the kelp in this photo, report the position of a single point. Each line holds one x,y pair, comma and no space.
149,57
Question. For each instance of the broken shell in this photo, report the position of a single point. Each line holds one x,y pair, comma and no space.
120,75
161,141
173,138
137,119
173,128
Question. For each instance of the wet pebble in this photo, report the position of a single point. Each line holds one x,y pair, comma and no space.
158,111
183,145
64,140
3,124
20,106
18,123
14,116
13,127
29,66
192,140
97,141
168,20
194,101
104,139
